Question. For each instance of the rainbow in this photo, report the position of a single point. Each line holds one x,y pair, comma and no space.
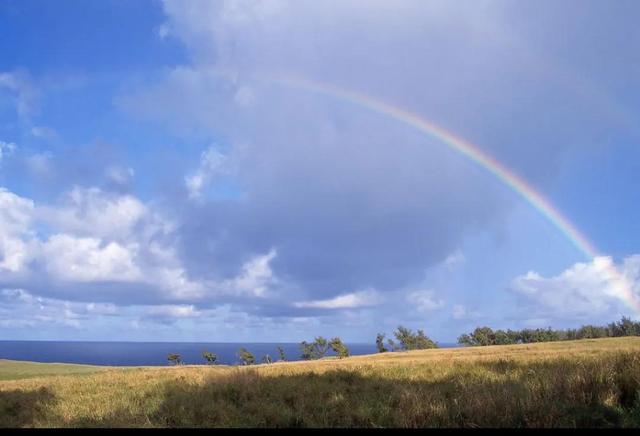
621,286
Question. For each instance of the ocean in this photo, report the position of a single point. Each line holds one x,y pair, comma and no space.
150,353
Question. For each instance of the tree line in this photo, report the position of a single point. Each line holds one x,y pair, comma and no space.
483,336
405,339
317,349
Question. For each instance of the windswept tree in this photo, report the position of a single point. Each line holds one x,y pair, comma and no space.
175,359
380,343
306,350
267,359
320,347
392,344
339,347
209,357
465,339
281,352
246,358
314,350
413,341
422,342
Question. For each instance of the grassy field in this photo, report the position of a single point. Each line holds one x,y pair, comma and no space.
588,383
14,370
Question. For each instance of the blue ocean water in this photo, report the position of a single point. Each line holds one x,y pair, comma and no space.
150,353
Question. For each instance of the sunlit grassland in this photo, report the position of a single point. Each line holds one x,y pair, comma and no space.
12,370
573,383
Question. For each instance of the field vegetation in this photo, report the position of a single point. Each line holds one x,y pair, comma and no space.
586,383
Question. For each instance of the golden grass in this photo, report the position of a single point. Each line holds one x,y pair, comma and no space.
566,384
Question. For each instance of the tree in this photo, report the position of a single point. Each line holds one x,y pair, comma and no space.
320,347
404,337
267,359
209,357
392,345
625,327
306,350
380,343
339,348
422,341
281,352
246,357
413,341
176,359
465,339
502,338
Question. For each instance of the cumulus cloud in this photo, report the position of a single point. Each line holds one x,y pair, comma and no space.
583,291
346,301
352,199
109,247
336,198
20,309
212,163
424,300
169,314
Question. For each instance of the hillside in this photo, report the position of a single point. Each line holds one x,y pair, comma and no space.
575,383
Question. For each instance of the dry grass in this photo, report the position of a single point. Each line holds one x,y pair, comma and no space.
570,384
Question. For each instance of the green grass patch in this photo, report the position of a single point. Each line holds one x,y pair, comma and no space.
15,370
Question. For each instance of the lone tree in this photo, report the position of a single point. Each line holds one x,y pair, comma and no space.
380,343
267,359
209,357
339,347
281,352
176,359
246,357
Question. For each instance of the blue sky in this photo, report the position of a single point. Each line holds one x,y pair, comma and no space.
155,185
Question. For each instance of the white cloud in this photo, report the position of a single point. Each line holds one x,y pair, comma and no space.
584,289
6,149
95,213
212,163
163,31
174,311
255,277
424,300
40,164
346,301
460,312
68,258
95,237
120,175
26,94
43,132
454,259
16,216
